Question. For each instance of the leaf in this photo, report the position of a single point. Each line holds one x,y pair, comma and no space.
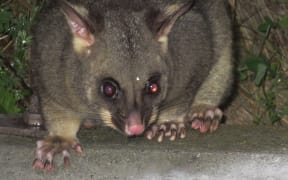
261,72
242,72
264,27
5,19
243,76
258,65
283,23
242,68
252,63
273,70
268,20
8,102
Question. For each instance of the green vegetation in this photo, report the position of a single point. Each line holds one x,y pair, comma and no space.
265,69
16,18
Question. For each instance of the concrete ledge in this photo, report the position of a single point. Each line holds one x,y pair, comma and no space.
233,152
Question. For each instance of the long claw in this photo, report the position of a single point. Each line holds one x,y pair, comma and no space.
182,131
173,130
160,135
205,126
66,158
149,134
78,148
214,126
67,162
196,124
48,166
152,132
173,135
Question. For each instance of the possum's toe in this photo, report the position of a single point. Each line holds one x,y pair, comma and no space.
49,147
169,130
151,132
181,130
206,120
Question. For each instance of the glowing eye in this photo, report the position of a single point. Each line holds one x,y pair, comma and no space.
153,87
110,89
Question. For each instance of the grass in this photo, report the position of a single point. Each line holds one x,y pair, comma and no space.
16,18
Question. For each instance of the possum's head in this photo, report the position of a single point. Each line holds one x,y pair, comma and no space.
123,54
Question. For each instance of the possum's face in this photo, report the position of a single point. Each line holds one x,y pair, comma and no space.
128,78
128,94
124,72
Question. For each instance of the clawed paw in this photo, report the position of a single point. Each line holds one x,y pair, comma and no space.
49,147
171,130
207,120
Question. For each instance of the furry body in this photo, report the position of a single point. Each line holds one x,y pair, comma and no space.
130,64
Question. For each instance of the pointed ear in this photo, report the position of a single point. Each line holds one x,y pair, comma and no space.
78,22
165,19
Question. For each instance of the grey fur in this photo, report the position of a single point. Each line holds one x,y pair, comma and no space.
192,69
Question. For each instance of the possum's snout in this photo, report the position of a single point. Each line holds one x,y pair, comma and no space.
133,124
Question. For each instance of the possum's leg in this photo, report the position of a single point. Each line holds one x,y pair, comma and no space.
205,113
62,125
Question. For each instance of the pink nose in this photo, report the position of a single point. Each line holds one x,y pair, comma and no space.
134,130
133,124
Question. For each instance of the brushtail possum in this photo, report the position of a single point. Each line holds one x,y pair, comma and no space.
133,65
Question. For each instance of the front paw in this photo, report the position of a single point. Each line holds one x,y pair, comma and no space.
204,118
49,147
170,130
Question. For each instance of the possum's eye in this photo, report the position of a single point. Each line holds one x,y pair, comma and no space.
152,86
110,88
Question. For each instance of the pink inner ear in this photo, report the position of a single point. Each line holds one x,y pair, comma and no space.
77,23
81,31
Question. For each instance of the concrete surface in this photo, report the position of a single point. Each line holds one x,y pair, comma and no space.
232,152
